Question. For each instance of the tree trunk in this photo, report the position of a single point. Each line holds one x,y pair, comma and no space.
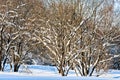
4,62
62,73
16,67
1,39
0,63
92,71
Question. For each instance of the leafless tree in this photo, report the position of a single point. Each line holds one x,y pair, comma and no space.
64,32
14,36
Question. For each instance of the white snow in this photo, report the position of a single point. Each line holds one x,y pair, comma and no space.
38,72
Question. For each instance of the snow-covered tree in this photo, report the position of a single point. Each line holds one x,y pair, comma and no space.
14,35
72,33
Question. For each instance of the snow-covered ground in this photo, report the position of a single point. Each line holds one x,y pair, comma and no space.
37,72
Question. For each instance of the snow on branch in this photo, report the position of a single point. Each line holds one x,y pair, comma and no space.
115,56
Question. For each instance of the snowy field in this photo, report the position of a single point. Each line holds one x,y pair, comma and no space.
35,72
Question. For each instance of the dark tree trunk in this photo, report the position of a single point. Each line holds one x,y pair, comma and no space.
1,39
0,64
4,62
92,71
61,72
16,67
